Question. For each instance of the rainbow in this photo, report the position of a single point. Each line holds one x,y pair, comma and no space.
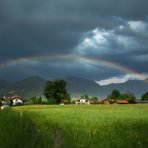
77,57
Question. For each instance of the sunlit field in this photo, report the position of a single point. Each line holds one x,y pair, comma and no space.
82,126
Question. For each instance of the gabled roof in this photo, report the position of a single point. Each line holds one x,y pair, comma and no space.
122,101
125,101
12,97
15,96
109,100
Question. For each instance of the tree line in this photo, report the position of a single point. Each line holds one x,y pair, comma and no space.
56,90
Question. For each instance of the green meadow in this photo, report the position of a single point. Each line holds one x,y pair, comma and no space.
82,126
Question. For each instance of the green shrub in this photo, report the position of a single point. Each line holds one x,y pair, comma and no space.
36,100
51,101
28,103
18,104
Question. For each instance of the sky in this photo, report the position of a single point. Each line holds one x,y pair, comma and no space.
102,40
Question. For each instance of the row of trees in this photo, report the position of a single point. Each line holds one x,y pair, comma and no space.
144,97
56,90
117,95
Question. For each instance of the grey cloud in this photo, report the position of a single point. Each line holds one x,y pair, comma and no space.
38,27
119,45
56,68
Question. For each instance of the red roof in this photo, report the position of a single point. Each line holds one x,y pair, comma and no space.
122,101
107,100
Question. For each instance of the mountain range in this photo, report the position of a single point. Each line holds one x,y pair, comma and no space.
76,86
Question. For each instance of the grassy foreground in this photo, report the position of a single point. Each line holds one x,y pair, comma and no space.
94,126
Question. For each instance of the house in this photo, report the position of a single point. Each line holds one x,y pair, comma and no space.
112,101
17,101
121,101
16,97
83,101
12,100
11,97
107,101
4,106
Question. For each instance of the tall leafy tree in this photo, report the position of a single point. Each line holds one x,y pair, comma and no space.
56,90
115,94
144,97
129,96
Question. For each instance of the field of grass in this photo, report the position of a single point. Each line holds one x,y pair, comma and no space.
93,126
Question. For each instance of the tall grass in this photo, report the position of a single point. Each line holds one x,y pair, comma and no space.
94,126
17,131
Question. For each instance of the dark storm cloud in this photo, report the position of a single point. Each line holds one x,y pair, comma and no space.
57,69
124,44
32,28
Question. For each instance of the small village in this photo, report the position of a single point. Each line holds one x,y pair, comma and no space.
7,101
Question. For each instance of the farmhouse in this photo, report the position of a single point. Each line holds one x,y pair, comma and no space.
11,97
4,106
121,101
16,97
16,101
12,100
112,101
83,101
107,101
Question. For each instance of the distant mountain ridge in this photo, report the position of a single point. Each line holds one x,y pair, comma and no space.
4,83
32,86
76,86
80,86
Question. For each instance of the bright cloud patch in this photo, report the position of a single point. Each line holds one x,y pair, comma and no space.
100,41
100,36
116,80
96,41
137,26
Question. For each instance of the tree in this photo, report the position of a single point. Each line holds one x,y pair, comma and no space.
115,94
84,97
56,90
36,100
33,99
128,95
94,100
1,99
144,97
39,100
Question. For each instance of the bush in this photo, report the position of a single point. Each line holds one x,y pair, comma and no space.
94,100
73,101
35,100
51,101
18,104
